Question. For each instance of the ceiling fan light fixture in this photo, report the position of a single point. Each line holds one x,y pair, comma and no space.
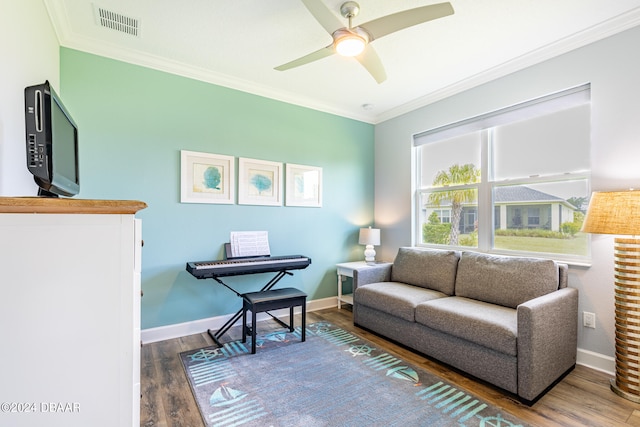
349,42
352,45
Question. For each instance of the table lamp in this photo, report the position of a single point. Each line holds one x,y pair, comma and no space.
369,237
618,212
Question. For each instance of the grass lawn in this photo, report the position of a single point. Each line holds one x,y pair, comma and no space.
576,245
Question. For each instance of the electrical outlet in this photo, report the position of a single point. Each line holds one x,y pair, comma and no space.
589,319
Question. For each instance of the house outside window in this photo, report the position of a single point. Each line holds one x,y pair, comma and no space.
444,215
511,181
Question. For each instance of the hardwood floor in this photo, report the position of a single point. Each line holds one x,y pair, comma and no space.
582,398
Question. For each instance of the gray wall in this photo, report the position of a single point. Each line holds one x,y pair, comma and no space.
612,66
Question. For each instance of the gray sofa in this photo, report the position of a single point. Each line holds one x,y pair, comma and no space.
510,321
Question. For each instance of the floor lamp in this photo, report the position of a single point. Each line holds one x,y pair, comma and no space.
618,212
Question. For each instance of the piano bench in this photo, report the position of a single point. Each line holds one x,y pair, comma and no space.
275,299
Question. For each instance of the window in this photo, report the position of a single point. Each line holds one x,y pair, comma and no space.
443,215
514,180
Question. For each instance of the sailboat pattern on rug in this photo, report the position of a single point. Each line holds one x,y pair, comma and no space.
229,407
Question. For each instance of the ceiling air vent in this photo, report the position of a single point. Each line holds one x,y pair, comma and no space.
116,21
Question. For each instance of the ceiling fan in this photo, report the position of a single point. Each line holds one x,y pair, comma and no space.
354,41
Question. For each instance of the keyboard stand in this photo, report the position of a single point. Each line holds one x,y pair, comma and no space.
223,330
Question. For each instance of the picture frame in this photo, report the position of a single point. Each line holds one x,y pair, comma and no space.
206,178
259,182
304,186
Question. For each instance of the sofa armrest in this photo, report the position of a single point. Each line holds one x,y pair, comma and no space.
372,274
547,340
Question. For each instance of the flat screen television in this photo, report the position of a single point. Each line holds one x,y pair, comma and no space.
52,142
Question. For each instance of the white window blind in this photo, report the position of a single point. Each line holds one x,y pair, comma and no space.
525,110
512,180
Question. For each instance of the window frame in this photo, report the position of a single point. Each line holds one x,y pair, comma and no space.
486,205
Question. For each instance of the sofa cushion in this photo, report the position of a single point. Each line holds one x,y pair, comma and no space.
398,299
488,325
428,268
508,281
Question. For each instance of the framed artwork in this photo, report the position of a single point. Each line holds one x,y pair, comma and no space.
259,182
206,178
304,186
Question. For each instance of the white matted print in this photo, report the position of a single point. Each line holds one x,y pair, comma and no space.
304,186
259,182
207,178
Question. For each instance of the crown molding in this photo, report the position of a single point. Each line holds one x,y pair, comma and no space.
591,35
66,39
180,69
71,40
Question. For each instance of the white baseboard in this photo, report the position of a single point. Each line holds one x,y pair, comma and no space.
597,361
198,326
587,358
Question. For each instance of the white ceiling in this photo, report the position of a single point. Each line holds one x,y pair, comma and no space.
237,43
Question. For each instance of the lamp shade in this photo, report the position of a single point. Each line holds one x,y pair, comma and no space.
613,212
369,236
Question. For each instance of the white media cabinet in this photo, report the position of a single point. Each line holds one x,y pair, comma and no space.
70,312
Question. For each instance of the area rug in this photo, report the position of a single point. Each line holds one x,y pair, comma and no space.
335,378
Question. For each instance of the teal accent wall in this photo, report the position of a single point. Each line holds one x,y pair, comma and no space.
133,122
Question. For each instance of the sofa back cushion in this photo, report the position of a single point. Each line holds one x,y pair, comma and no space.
506,281
428,268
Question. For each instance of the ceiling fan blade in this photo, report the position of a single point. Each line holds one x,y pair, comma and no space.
323,15
391,23
371,61
314,56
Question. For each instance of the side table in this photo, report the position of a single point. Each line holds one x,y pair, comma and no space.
346,269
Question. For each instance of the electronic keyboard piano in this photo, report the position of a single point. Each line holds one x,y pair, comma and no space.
238,266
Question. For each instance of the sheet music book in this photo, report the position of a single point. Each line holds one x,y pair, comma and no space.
249,243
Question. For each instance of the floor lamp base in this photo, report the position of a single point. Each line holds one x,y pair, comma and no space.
627,318
622,393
